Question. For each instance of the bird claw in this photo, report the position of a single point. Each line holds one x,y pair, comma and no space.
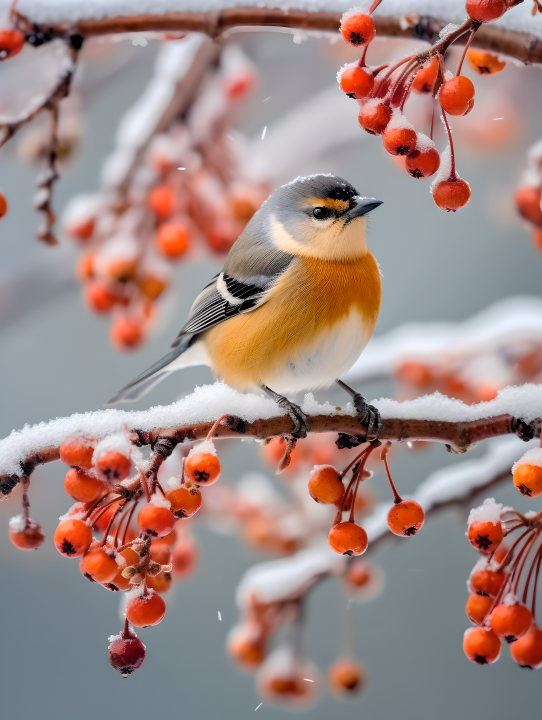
367,415
301,424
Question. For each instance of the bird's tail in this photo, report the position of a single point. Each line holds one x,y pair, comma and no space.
152,376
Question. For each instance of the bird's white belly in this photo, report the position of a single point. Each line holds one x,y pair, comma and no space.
332,355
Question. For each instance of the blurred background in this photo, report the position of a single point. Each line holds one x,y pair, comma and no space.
56,359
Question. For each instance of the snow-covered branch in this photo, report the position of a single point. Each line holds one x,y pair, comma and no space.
517,34
434,418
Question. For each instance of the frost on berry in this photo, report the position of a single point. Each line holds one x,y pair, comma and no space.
126,651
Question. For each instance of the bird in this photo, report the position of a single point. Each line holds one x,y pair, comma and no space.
294,306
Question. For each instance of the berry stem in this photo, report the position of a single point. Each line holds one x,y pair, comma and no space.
466,48
361,62
528,580
110,524
126,634
509,554
536,583
432,118
373,7
214,427
396,497
528,546
354,461
358,475
452,166
26,502
143,479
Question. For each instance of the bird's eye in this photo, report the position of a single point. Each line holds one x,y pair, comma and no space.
321,213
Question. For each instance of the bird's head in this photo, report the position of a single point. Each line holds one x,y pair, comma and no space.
320,216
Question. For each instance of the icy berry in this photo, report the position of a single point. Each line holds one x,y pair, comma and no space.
487,582
528,204
511,621
3,205
399,140
405,518
452,194
356,82
345,677
527,651
425,77
528,480
325,485
114,465
424,161
374,117
11,43
246,646
161,201
202,468
157,521
81,231
126,652
357,28
172,239
72,538
481,645
484,63
100,564
126,333
485,535
347,538
98,298
485,11
456,94
83,487
145,609
184,501
477,608
25,535
77,451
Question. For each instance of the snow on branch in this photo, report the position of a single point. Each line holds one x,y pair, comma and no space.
435,418
517,34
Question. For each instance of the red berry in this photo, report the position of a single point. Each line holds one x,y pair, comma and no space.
485,11
145,609
82,487
325,485
347,538
100,564
357,29
527,651
184,559
487,582
484,63
246,646
77,451
98,298
72,538
511,621
126,333
157,521
202,468
485,535
528,204
3,205
114,465
160,199
25,536
456,94
424,161
356,82
126,652
481,645
172,239
451,195
405,518
185,501
374,117
11,43
346,678
399,140
477,608
425,77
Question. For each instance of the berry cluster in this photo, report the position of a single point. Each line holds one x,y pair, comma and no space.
188,194
529,195
500,583
382,92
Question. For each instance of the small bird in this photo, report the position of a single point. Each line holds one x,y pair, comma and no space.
294,306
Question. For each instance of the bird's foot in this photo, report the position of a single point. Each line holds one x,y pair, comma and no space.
367,415
299,419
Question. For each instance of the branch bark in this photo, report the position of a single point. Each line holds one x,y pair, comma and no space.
522,46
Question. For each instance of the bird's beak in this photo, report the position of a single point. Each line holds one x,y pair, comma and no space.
362,207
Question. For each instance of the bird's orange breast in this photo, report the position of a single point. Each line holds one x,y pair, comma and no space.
309,300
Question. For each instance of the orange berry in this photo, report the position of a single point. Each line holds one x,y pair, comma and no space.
161,582
484,63
81,231
357,29
160,200
243,207
85,267
347,538
456,94
184,559
72,538
160,553
485,11
423,163
202,468
98,298
358,574
246,646
527,651
451,195
114,465
346,677
126,333
172,239
100,565
3,205
27,536
121,269
528,480
399,140
405,518
83,487
168,539
477,608
126,652
485,536
103,521
325,485
500,553
11,43
119,582
425,77
487,582
356,82
77,451
481,645
528,204
145,609
415,373
374,117
151,287
511,621
184,501
157,521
